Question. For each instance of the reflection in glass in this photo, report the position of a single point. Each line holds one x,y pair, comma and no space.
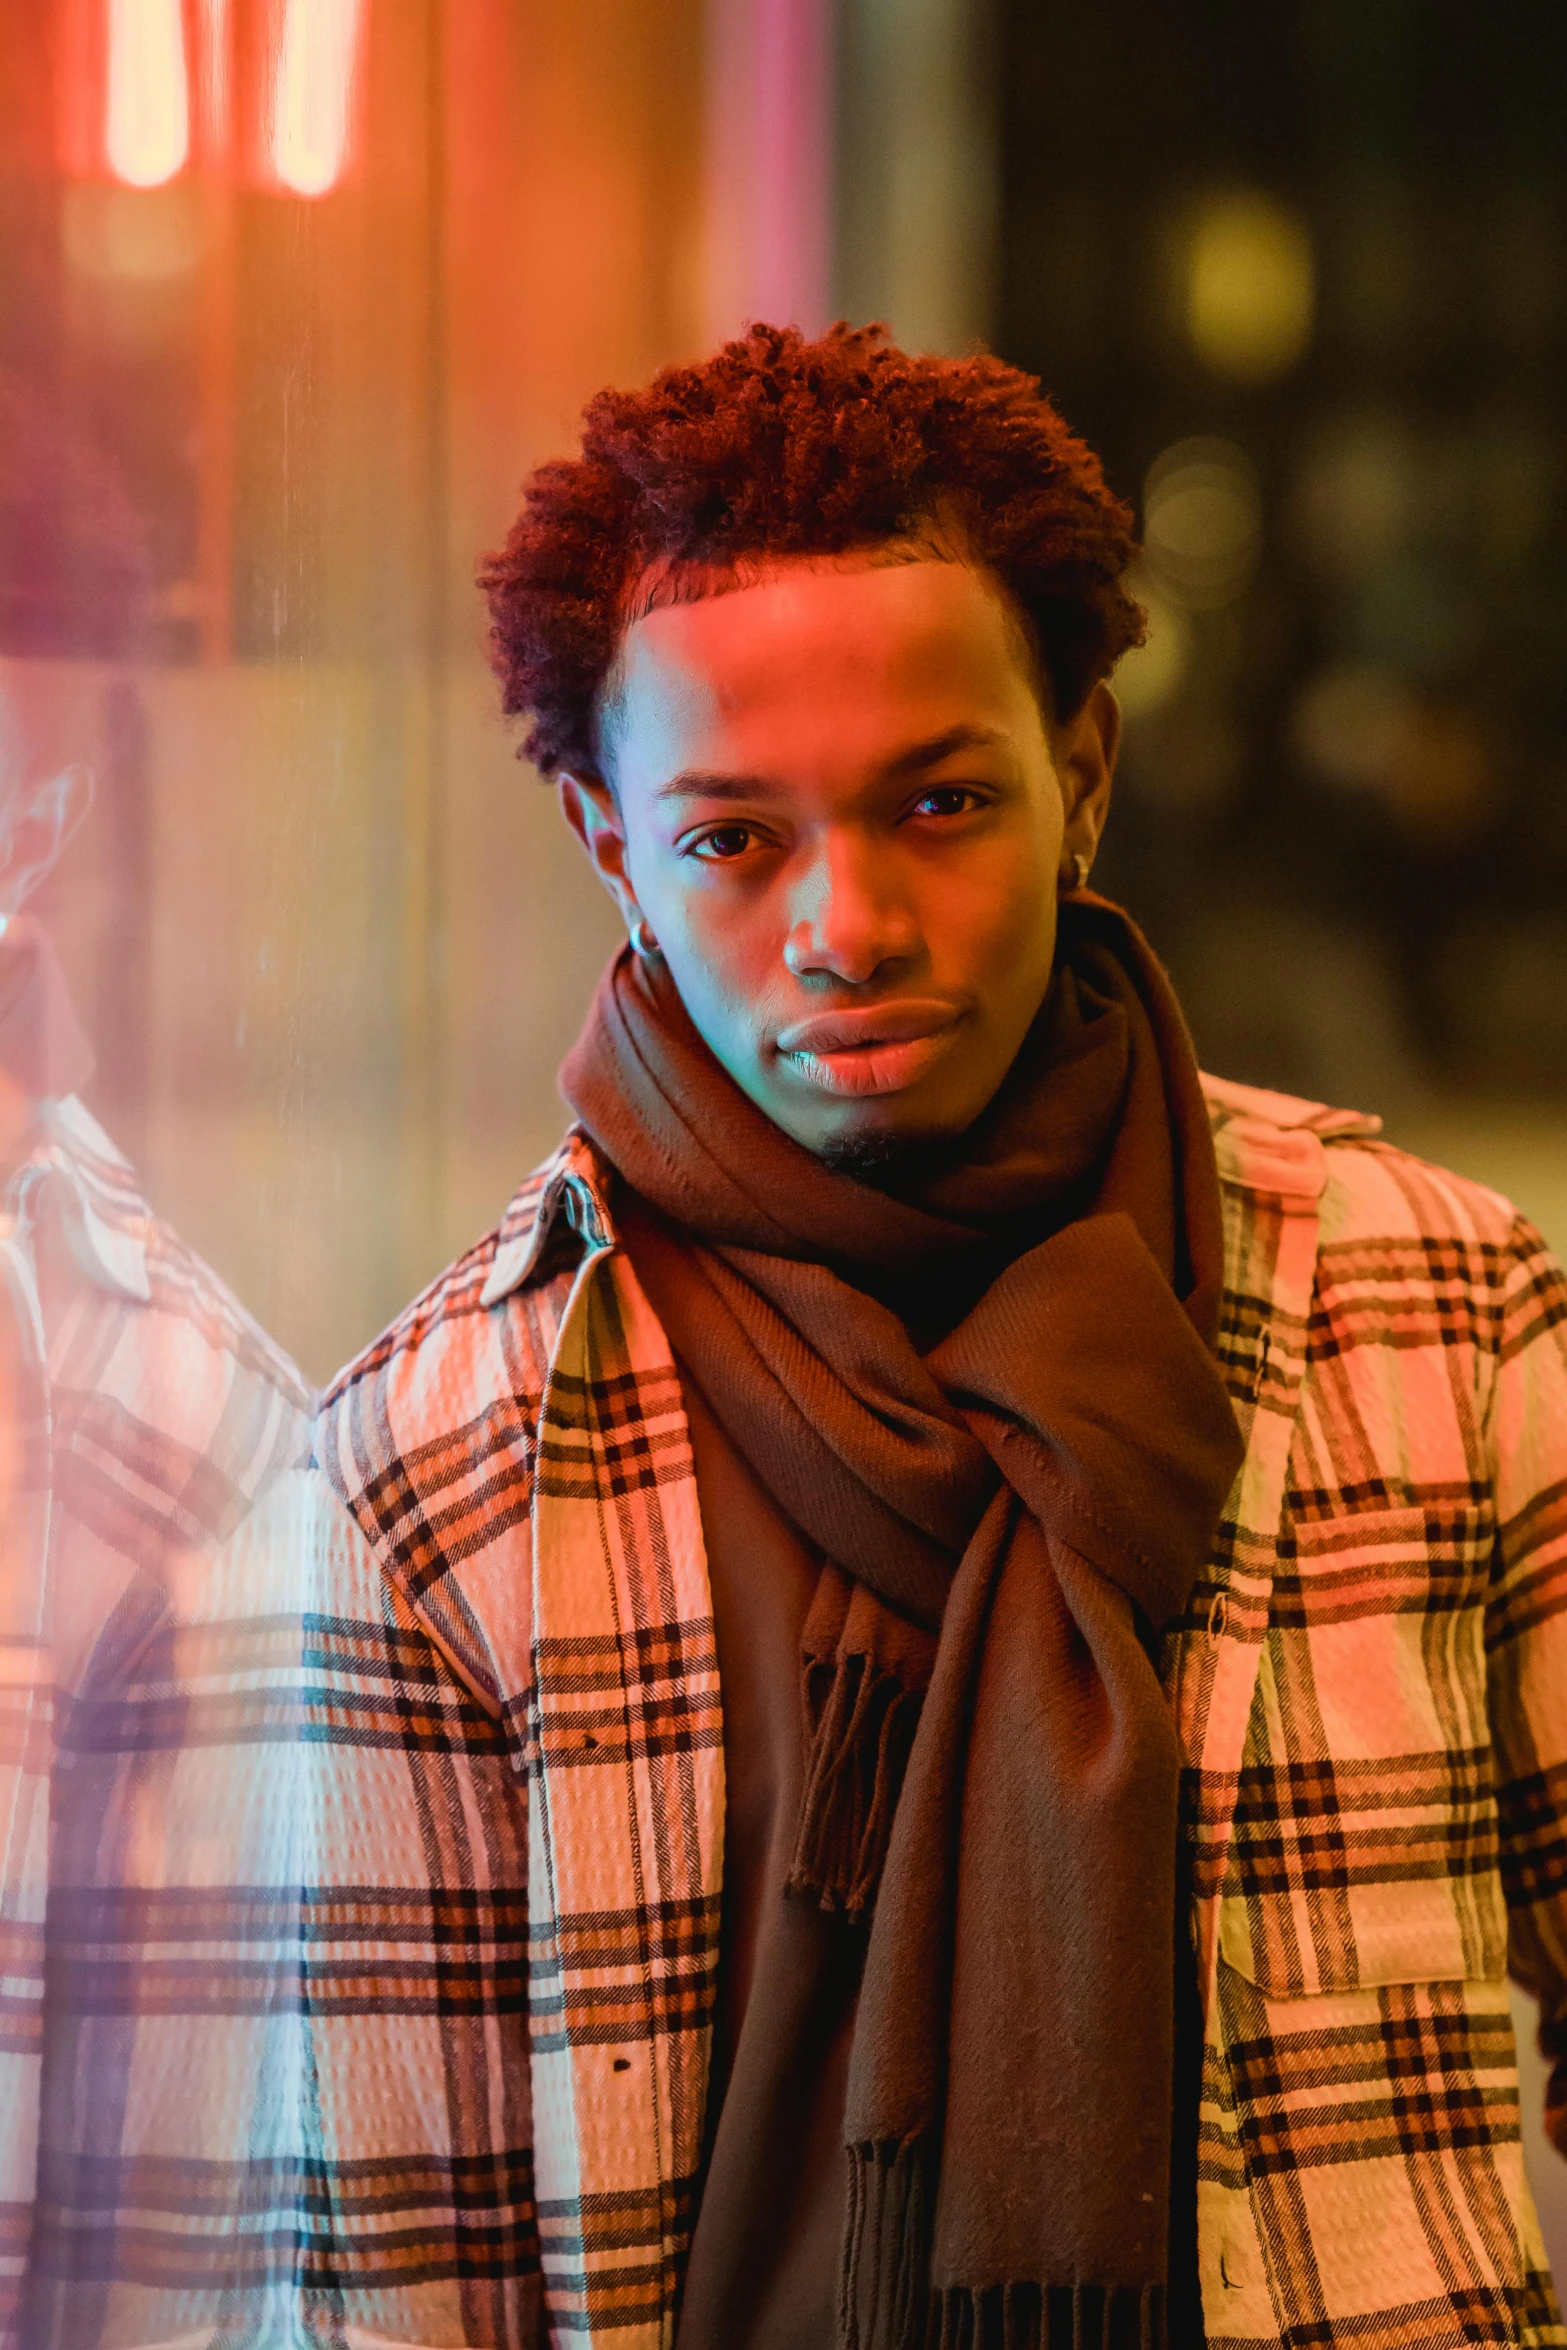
147,134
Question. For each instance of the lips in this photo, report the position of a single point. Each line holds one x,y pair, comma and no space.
857,1029
871,1049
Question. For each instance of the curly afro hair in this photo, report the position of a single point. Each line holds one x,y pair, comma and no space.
780,446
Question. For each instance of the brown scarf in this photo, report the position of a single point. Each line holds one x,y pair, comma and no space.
988,1397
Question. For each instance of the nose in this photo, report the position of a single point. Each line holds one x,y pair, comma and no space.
847,919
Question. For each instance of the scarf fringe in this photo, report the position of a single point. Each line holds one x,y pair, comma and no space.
1055,2317
861,1725
887,2302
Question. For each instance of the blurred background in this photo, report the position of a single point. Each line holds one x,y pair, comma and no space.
294,292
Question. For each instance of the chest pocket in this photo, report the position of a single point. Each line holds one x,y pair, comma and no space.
1365,1845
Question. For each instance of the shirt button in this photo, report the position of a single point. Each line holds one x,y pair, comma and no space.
1218,1618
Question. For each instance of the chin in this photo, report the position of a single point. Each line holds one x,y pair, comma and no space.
884,1151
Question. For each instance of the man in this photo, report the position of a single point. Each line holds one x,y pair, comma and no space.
938,1577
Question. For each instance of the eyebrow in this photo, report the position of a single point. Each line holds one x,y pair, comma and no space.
704,783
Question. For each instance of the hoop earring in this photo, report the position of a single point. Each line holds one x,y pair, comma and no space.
1079,879
643,942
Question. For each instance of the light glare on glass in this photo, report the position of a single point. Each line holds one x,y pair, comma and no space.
147,119
314,85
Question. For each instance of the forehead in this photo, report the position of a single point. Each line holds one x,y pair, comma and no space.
803,655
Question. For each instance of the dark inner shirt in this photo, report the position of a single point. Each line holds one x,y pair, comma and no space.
765,2257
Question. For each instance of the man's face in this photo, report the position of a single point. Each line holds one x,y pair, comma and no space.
842,815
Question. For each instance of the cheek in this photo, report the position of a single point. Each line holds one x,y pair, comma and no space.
723,948
722,933
704,917
1000,917
723,959
724,1009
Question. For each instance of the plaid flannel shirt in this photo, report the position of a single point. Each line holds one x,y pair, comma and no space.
485,1947
142,1416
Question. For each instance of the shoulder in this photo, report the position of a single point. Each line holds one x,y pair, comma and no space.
153,1330
1363,1184
1406,1252
453,1386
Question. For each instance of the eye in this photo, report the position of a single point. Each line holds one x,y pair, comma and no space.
724,843
946,799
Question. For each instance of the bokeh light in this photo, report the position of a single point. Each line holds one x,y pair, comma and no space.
1249,290
1429,760
1150,675
1356,495
1350,724
1202,522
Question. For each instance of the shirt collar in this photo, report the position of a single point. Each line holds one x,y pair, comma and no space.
75,1167
1272,1144
572,1187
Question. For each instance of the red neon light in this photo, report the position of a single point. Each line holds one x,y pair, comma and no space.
259,93
313,92
146,135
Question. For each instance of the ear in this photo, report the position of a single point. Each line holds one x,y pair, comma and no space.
1084,752
589,808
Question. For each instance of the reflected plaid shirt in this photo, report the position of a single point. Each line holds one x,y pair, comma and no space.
142,1413
461,1934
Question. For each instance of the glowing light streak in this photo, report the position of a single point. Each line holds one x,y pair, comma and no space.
315,73
147,118
217,95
